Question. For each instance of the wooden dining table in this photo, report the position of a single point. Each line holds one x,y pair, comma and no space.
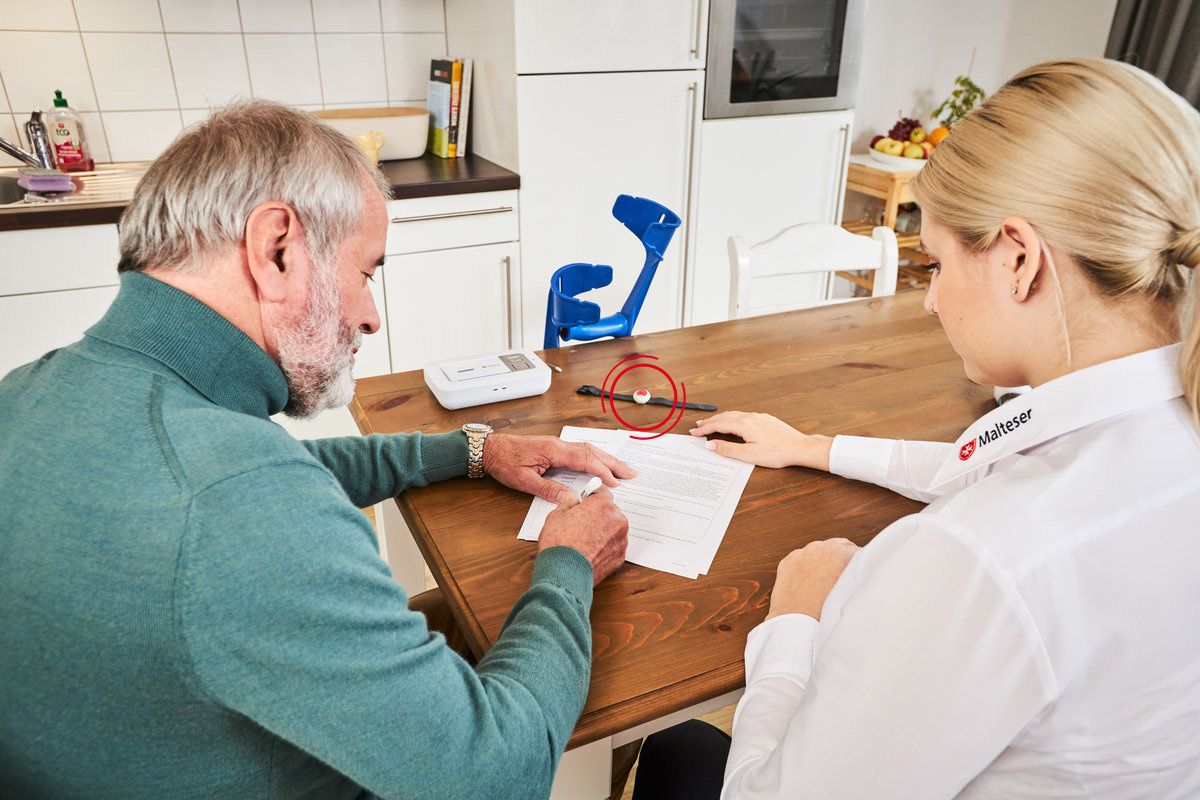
664,645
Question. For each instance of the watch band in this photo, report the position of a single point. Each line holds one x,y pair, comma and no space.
653,401
477,434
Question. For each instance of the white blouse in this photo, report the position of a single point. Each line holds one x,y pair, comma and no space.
1034,632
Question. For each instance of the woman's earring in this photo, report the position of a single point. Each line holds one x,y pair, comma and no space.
1013,290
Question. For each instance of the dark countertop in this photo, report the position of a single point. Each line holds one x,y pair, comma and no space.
427,176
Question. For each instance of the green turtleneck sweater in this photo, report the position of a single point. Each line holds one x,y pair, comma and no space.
192,606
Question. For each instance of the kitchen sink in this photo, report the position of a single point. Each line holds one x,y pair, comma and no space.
10,192
107,184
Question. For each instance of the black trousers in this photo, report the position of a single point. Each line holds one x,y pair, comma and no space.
685,762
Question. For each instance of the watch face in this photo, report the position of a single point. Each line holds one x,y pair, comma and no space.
477,427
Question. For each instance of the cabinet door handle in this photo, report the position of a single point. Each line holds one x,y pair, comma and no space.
452,214
693,99
840,185
508,296
699,25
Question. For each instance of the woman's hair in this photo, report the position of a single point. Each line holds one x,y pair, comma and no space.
196,196
1103,161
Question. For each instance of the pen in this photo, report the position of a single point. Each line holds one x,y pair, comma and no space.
592,485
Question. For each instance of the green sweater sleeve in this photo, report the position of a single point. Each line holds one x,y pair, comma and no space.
287,615
375,467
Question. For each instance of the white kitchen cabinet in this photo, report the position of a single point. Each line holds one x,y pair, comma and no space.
33,324
558,36
53,259
460,220
374,356
583,140
55,283
759,175
449,303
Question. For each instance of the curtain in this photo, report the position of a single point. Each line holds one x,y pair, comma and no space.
1163,38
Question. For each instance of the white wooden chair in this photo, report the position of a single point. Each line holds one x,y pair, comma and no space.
759,273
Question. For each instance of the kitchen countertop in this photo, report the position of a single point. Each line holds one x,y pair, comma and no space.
110,188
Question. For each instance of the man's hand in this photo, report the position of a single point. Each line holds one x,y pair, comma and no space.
594,527
520,461
806,576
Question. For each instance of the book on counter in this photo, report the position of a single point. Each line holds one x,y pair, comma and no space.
449,104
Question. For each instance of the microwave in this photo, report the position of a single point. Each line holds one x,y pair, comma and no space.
782,56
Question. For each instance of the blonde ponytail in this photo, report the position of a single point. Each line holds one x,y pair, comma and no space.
1103,160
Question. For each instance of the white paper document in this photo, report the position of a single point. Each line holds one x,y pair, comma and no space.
678,506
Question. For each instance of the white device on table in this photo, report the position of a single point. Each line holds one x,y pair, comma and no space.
487,378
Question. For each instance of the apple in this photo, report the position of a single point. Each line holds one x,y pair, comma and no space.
883,143
875,139
927,147
917,135
912,151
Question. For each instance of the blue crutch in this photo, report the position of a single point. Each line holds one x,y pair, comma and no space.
568,317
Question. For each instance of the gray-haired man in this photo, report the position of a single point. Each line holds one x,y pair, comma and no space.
192,605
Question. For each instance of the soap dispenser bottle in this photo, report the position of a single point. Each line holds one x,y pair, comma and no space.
67,137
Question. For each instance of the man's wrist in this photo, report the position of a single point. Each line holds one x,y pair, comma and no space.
477,434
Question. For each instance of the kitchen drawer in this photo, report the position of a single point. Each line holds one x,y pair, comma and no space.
53,259
459,220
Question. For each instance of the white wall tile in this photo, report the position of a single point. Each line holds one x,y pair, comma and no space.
191,116
346,16
43,15
93,127
413,16
127,16
35,64
276,16
284,67
408,56
4,107
140,135
352,67
130,70
206,16
210,68
8,129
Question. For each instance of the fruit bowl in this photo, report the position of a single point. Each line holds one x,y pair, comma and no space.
913,164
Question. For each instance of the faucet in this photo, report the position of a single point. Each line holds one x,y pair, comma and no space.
35,129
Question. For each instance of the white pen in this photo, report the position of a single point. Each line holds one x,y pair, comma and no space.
592,485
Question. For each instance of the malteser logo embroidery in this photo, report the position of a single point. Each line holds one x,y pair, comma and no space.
992,434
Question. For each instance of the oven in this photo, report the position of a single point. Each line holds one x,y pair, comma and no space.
782,56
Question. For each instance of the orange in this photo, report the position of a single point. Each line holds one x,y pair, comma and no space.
937,134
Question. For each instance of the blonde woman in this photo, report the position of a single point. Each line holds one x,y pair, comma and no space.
1034,632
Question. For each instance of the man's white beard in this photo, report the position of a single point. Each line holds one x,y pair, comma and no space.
316,354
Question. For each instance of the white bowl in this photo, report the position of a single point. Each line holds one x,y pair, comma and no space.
896,161
405,130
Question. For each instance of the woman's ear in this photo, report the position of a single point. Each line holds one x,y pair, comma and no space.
273,237
1022,258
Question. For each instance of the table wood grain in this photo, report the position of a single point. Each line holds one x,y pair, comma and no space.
873,367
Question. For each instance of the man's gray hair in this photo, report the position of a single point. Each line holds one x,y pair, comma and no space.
195,198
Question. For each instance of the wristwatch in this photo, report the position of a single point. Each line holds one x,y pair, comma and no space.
477,433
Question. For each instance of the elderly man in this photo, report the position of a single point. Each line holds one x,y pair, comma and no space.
191,604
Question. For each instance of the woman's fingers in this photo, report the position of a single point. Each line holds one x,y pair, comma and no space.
726,422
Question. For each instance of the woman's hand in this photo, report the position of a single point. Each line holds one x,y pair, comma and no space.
806,577
769,441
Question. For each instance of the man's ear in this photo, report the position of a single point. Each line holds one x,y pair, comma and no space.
1023,261
273,238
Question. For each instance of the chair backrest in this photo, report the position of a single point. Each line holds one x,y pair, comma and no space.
805,249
